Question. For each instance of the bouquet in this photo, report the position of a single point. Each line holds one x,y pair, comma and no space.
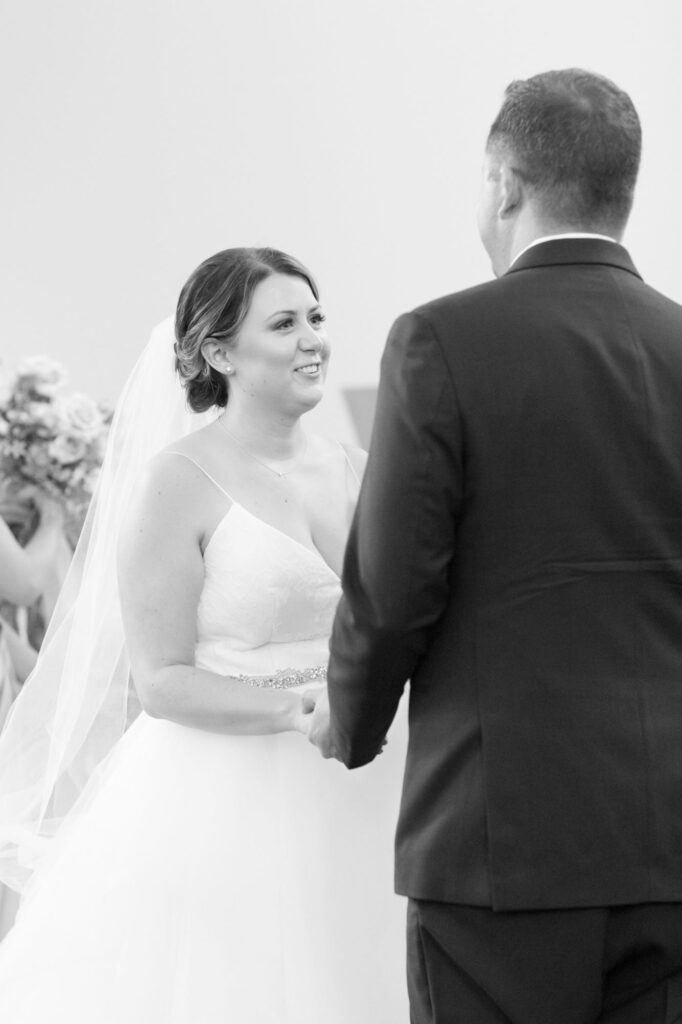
51,439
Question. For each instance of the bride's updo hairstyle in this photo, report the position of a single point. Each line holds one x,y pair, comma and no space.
213,304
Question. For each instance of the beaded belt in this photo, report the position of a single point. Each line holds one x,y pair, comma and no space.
285,678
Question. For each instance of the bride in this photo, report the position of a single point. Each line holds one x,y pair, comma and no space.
208,866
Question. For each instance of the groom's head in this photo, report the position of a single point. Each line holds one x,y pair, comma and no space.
562,155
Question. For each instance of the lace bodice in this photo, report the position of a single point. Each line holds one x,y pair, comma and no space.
267,603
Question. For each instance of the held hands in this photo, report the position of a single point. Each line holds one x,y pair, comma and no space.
313,721
315,706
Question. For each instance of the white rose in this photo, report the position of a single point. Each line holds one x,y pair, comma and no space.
67,449
79,414
41,413
41,374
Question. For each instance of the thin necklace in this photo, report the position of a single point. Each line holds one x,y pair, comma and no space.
248,452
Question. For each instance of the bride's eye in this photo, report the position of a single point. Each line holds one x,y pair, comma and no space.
283,324
318,318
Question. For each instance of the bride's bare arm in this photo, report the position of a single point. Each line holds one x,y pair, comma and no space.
161,574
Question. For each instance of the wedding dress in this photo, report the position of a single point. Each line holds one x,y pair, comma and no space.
222,879
9,688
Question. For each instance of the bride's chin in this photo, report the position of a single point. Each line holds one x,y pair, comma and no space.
314,394
309,406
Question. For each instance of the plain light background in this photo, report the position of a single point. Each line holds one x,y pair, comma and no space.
141,136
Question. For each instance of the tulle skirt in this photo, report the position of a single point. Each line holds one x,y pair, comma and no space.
9,689
217,880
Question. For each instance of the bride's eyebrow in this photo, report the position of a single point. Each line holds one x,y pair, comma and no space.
293,312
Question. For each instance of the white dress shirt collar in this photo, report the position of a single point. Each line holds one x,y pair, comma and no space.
555,238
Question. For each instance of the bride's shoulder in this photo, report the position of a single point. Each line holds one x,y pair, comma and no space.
343,452
357,458
173,501
174,474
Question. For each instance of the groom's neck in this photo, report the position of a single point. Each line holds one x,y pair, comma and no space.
532,225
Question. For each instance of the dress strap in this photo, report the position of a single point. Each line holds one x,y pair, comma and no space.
350,464
213,480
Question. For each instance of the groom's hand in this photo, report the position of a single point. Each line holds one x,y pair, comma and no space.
318,733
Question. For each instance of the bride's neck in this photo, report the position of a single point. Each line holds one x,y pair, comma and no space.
271,436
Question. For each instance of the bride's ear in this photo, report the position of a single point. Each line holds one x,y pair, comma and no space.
214,351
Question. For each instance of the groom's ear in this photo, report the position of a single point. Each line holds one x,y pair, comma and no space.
511,192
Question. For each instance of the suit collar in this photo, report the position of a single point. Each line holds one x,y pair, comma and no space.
566,251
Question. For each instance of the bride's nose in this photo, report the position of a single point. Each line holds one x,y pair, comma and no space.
310,340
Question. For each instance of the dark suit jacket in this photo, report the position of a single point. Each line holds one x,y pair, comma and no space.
517,553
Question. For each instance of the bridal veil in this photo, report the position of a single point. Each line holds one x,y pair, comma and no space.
77,701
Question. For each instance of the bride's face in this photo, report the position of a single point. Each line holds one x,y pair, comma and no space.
281,352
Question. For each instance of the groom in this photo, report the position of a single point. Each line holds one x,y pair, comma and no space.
517,554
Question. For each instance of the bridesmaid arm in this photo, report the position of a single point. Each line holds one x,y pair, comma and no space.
22,655
24,572
161,575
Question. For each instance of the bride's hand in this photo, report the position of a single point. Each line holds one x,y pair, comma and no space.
319,731
310,698
304,714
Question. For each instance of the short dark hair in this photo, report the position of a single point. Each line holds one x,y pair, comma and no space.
213,304
576,139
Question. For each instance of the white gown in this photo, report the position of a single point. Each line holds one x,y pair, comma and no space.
217,879
9,689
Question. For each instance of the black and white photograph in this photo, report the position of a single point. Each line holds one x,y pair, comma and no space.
341,513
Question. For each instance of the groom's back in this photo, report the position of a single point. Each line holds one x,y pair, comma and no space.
559,657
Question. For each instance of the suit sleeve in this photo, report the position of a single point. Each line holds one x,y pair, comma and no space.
401,545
